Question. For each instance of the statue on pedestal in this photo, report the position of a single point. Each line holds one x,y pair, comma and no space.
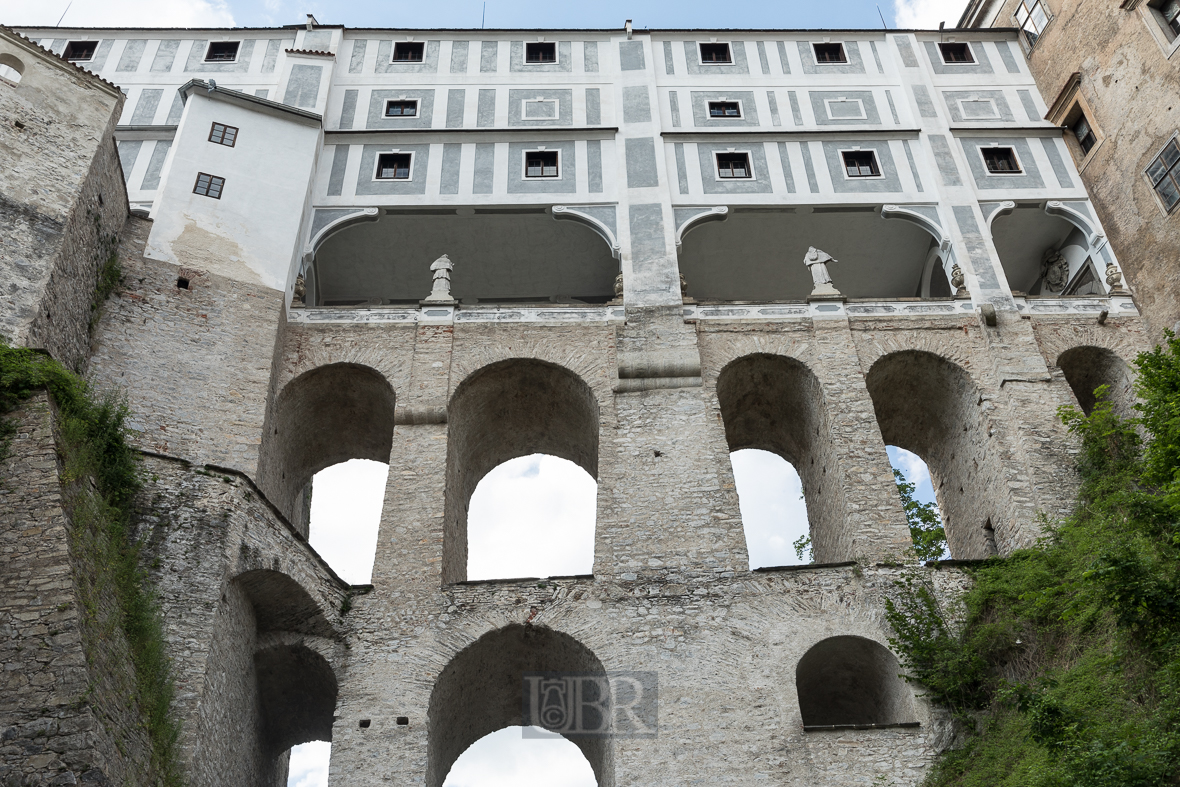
817,262
441,291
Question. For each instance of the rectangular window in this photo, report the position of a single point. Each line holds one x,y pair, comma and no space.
80,51
829,53
956,53
540,52
223,135
1164,174
725,109
208,185
401,108
1084,133
861,163
716,54
1031,18
408,51
733,165
1167,14
541,164
1000,161
394,166
222,51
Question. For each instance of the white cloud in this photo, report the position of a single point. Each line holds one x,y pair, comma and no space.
506,759
118,13
309,765
926,14
532,516
774,514
345,514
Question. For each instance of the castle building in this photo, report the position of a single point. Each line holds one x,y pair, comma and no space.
637,250
1110,76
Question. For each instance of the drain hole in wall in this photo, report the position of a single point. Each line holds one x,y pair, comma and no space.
402,721
365,724
182,283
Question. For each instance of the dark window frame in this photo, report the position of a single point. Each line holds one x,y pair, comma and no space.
1083,131
219,132
91,48
1166,174
1011,156
389,103
1026,18
225,56
397,155
541,158
724,105
831,48
864,161
411,48
546,51
213,183
725,161
715,48
960,46
1166,14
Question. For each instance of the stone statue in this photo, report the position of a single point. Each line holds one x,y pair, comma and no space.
619,286
300,290
441,291
1054,271
1114,278
683,286
957,279
817,262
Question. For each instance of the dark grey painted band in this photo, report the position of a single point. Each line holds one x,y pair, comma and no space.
669,64
782,57
700,108
1030,107
175,111
892,107
631,56
820,108
271,57
449,180
953,97
348,109
196,57
456,99
809,168
1057,162
649,255
132,54
485,167
593,107
145,108
640,156
485,111
876,57
909,154
303,86
459,57
489,56
151,178
339,165
261,92
356,62
758,184
165,56
518,184
1029,178
428,64
681,168
1006,56
925,104
773,101
763,60
908,59
128,152
564,62
594,166
377,120
855,64
982,64
367,186
786,162
796,112
636,104
945,160
889,181
674,106
563,97
590,57
977,254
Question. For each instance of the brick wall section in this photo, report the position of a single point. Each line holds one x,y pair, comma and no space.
67,712
62,202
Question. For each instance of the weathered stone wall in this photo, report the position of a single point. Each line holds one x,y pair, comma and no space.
62,200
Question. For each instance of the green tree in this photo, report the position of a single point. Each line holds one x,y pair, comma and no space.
924,521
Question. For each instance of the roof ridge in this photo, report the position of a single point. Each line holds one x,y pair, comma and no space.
58,58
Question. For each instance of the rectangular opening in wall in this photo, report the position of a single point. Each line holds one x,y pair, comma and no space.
1031,18
716,54
829,53
1084,133
222,134
1000,161
1167,14
222,51
209,185
542,164
401,108
79,51
1164,174
408,51
861,163
733,165
540,52
394,166
725,109
956,53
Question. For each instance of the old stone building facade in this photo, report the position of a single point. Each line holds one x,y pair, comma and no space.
629,219
1110,75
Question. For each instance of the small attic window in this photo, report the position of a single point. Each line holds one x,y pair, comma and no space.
80,51
408,51
222,51
725,109
956,53
1000,161
540,52
716,54
829,53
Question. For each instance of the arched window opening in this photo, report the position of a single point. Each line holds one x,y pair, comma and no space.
774,514
297,693
308,766
344,508
1086,368
532,516
323,417
515,408
11,68
916,488
851,681
507,757
480,692
933,409
773,403
1044,255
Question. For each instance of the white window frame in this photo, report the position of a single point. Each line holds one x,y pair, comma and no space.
393,49
953,63
524,55
749,164
209,46
1049,17
377,166
80,41
1015,154
1147,178
1154,24
963,110
741,115
703,62
818,62
844,167
524,164
417,107
524,102
841,100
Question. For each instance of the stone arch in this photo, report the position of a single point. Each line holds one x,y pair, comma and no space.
324,416
282,604
931,407
511,408
851,681
297,692
11,67
480,691
775,403
1086,367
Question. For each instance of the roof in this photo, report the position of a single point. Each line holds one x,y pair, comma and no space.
211,90
59,61
486,31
